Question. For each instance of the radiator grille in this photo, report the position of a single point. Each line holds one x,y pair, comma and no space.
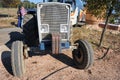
54,15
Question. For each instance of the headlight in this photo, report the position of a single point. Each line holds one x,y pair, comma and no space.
63,28
44,28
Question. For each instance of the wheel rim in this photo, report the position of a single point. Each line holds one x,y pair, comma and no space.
79,56
83,55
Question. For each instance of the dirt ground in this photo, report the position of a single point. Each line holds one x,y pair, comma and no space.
61,67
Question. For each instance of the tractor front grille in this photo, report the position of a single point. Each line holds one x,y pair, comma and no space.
54,15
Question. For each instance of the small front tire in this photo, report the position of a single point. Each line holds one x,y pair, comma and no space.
83,56
17,59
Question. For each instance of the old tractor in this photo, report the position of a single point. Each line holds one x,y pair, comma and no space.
49,29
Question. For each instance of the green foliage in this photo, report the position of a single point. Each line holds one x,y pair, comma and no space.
28,4
16,3
1,5
117,8
100,7
111,19
11,3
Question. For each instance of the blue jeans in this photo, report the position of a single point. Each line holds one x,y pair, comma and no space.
22,20
19,21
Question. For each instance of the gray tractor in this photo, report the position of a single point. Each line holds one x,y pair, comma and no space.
49,29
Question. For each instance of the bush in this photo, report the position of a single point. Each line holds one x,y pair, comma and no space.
1,5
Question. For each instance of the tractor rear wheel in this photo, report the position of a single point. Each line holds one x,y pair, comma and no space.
17,59
83,56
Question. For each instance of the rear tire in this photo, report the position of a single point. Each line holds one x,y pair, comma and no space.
83,56
17,59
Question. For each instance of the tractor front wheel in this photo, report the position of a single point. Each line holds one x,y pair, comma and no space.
17,59
83,56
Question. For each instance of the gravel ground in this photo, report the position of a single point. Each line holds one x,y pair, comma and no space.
59,67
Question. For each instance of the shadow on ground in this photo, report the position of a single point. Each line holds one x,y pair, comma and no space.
6,60
5,15
64,59
14,36
14,24
54,72
61,56
6,55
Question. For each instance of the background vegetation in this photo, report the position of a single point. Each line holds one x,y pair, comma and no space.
101,8
16,3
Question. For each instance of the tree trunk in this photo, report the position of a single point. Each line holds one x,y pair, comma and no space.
105,26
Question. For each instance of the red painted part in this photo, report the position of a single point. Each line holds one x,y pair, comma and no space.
57,45
53,43
110,26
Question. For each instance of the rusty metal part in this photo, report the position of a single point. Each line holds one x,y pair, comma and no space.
53,43
25,51
57,44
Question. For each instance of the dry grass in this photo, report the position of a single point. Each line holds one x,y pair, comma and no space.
8,17
8,11
93,36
